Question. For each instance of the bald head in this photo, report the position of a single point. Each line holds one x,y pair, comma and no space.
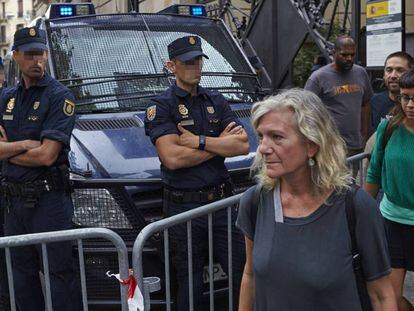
344,53
344,42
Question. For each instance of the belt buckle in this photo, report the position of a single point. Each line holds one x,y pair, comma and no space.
178,196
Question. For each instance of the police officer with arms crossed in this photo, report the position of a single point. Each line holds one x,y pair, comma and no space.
37,118
193,130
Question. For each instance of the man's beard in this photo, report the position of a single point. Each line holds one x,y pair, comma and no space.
345,66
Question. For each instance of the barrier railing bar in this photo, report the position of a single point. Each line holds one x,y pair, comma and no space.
47,278
190,265
133,181
165,223
167,270
121,181
82,275
69,235
10,279
210,260
359,156
230,255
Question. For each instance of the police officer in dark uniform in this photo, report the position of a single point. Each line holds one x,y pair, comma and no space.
36,121
193,130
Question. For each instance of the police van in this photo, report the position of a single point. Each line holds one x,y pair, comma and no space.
114,64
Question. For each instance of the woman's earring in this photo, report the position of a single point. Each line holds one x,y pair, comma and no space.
311,162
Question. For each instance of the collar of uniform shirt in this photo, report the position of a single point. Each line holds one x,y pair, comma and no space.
42,82
182,93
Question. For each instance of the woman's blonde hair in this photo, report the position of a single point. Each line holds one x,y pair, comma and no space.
314,124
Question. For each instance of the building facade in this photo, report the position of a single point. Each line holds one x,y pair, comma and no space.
14,15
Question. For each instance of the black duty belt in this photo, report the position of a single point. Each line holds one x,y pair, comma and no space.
55,179
201,196
25,190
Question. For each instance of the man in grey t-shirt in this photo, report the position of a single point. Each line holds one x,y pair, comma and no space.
346,91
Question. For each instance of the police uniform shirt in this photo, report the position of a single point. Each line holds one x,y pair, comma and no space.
45,110
207,114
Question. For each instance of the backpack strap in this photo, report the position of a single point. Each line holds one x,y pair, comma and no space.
387,134
255,203
351,219
356,258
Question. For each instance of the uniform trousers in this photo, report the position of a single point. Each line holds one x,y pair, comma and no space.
178,240
53,212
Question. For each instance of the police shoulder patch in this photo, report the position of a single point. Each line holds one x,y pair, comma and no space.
151,112
68,107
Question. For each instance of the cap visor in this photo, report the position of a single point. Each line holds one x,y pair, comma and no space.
190,55
34,46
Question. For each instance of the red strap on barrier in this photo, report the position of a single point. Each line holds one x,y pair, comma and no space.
132,284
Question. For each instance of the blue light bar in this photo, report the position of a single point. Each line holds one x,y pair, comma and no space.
66,11
185,9
197,11
57,10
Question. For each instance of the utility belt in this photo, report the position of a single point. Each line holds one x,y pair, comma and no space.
55,179
206,195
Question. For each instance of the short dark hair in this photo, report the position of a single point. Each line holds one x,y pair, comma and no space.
403,55
407,79
344,41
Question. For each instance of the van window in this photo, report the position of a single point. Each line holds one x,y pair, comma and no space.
119,66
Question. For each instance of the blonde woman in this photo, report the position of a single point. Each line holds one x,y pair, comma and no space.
298,246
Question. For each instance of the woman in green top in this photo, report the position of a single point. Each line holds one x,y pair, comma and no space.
392,169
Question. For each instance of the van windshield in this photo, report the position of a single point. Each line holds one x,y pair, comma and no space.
117,62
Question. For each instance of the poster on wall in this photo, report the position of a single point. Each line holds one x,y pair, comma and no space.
385,30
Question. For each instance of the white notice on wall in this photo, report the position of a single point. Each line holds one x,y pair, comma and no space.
394,6
384,30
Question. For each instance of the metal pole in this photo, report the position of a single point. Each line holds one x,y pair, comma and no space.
403,30
331,23
222,9
221,5
356,25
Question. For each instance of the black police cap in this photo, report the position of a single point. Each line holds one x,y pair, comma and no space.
29,38
185,48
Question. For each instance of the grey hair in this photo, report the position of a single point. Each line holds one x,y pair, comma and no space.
314,124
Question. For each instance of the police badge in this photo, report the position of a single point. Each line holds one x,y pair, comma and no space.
192,40
183,110
10,105
68,108
32,32
36,105
151,112
210,109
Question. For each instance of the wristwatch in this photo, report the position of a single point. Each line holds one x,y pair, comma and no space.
202,142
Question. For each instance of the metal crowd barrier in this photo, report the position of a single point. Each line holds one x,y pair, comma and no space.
186,217
146,285
67,235
361,159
